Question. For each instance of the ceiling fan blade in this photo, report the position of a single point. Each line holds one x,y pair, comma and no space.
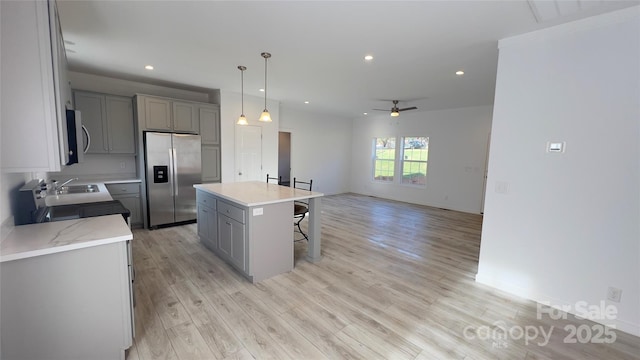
381,109
409,108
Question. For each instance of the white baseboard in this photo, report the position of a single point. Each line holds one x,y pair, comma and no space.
518,290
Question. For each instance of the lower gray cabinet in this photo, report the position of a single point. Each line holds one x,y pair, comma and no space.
207,220
75,304
257,241
231,240
129,195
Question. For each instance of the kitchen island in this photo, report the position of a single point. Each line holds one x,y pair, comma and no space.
250,225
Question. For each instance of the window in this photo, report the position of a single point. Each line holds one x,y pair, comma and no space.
411,157
384,158
415,151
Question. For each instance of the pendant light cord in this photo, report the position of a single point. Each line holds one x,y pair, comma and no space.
242,89
265,82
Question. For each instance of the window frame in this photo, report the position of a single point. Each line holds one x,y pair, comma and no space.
403,161
374,158
398,161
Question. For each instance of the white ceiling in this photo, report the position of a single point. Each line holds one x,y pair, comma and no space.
317,47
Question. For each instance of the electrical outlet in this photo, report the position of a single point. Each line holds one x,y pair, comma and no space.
614,294
123,165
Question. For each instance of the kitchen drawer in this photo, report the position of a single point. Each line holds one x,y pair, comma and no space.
123,188
231,211
206,199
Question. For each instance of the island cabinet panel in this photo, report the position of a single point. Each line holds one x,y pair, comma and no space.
207,220
256,240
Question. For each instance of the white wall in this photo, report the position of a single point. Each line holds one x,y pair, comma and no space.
457,155
567,227
320,149
230,109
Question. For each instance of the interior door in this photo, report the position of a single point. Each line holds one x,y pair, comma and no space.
187,169
248,153
284,156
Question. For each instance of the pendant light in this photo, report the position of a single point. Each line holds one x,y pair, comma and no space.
265,116
242,120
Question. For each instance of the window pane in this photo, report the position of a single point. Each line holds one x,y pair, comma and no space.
384,161
414,165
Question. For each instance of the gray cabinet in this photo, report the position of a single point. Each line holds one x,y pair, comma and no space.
157,113
185,117
221,227
257,240
210,163
207,220
165,114
75,304
210,135
231,234
34,89
121,130
210,124
129,195
109,122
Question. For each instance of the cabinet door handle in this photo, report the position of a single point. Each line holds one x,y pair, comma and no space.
228,223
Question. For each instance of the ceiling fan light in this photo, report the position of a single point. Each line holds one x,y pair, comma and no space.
265,116
395,113
242,120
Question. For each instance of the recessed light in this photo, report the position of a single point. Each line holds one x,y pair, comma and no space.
306,102
261,90
368,57
365,114
459,72
148,67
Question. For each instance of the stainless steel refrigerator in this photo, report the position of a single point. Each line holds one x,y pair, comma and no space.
173,165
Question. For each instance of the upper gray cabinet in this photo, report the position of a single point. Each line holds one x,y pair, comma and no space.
210,124
157,113
168,115
185,117
109,122
34,90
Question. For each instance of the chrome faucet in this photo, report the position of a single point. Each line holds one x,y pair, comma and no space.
64,183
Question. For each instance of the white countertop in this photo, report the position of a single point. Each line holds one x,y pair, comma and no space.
256,193
27,241
102,195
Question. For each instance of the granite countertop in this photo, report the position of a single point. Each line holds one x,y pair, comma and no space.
27,241
256,193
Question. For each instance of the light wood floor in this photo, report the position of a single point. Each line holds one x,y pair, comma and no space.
396,281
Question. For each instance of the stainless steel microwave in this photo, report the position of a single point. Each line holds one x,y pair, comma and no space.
74,137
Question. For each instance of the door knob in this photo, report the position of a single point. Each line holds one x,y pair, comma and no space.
240,173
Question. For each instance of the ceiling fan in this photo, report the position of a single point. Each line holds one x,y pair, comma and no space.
395,111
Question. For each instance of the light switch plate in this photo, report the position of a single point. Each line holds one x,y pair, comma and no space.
258,211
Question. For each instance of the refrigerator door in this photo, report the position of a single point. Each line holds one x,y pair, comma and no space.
187,169
158,157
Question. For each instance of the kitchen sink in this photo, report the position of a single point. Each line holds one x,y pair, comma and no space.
78,189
